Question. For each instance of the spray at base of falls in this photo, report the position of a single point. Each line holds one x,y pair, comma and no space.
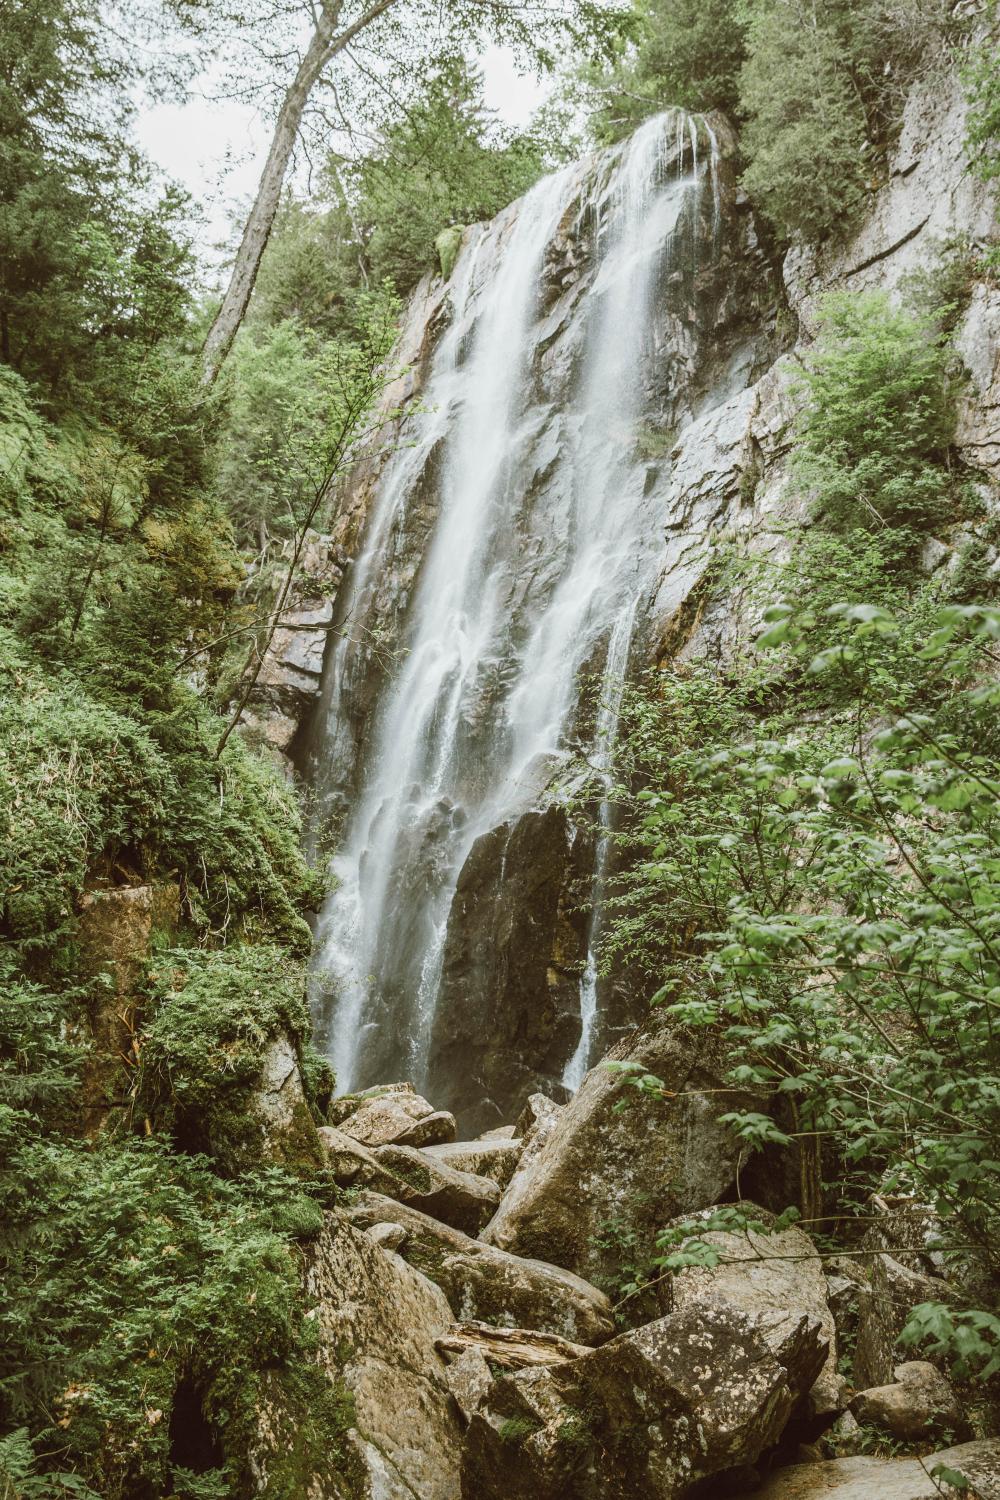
539,555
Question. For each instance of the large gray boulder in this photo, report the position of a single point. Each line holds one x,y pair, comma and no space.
889,1478
490,1285
614,1155
919,1405
376,1321
399,1118
496,1159
696,1394
460,1199
768,1272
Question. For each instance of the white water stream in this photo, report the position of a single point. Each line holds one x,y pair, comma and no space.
540,552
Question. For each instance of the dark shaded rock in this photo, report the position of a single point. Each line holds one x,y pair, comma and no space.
895,1292
507,1015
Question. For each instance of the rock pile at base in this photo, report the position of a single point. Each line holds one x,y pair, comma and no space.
480,1372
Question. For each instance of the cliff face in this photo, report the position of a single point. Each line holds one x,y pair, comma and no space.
598,394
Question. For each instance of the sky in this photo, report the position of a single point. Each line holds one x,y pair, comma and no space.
216,150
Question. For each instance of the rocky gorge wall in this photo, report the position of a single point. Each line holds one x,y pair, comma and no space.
486,899
508,555
463,1292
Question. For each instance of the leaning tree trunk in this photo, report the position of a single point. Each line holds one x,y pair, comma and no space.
325,43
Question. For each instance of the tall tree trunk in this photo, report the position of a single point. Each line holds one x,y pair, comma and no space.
325,43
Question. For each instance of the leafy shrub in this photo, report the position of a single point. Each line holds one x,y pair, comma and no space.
85,789
878,420
213,1017
132,1270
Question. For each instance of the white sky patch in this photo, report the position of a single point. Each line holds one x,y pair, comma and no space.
216,149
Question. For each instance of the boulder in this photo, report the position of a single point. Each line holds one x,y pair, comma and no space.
769,1272
346,1105
847,1289
613,1155
918,1406
890,1478
484,1283
457,1198
501,1133
376,1322
353,1165
389,1236
115,930
895,1291
399,1118
537,1120
696,1394
469,1378
496,1159
509,1348
278,1103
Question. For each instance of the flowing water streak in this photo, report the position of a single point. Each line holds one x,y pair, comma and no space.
612,692
478,397
515,591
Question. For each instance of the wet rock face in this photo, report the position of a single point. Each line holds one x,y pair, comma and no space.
506,1017
554,397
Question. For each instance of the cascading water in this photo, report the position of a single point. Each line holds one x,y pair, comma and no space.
538,554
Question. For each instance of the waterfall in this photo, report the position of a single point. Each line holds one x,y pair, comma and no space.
520,528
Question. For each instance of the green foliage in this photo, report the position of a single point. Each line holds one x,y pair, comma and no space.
679,53
970,1340
295,415
213,1017
834,908
445,163
95,275
818,90
878,419
805,133
982,83
133,1269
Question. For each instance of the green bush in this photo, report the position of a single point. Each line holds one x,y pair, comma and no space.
211,1018
133,1270
878,420
805,132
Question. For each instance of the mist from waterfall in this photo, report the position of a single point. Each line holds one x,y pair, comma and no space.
538,559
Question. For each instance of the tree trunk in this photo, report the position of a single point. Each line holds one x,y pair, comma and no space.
325,43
